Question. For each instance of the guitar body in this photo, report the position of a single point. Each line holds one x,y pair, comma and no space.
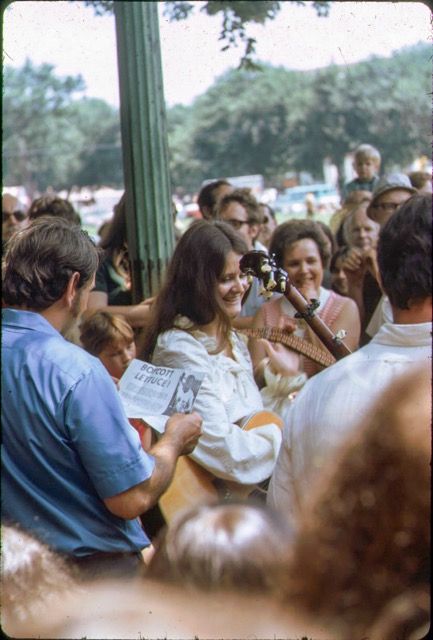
193,484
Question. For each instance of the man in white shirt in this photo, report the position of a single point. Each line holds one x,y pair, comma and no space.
333,402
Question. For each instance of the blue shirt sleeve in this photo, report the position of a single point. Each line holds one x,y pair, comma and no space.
109,447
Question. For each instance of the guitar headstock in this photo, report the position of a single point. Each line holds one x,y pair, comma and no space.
258,264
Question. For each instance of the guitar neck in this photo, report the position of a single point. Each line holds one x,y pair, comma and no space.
259,265
293,342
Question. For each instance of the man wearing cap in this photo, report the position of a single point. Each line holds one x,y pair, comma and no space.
391,191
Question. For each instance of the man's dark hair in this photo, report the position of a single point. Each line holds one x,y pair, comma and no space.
52,205
247,200
206,197
404,252
41,259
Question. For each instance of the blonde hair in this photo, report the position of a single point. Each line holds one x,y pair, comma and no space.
33,576
104,328
367,151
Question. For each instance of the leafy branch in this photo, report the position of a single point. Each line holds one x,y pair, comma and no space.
236,16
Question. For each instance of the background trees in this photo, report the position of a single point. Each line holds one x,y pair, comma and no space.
268,122
51,137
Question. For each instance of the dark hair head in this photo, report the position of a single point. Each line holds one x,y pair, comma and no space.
190,286
341,252
41,259
206,197
404,252
287,233
267,210
116,236
224,546
246,198
103,329
52,205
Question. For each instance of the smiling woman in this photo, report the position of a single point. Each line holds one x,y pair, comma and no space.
301,251
191,328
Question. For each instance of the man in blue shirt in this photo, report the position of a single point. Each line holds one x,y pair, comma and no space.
74,473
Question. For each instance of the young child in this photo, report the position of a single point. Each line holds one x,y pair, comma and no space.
111,339
367,165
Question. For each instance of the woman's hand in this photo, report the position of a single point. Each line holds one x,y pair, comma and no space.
281,359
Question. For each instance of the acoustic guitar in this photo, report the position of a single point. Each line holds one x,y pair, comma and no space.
299,345
193,484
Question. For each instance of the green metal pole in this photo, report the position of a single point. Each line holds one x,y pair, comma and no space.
144,143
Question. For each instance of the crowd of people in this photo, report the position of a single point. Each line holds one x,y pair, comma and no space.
292,491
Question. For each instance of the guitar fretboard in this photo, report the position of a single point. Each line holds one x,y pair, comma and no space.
293,342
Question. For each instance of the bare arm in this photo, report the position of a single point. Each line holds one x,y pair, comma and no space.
244,322
355,268
180,437
136,314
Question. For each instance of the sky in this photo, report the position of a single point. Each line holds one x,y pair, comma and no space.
74,40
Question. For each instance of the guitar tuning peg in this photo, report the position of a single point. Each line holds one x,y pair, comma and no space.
265,268
268,295
271,284
262,290
249,278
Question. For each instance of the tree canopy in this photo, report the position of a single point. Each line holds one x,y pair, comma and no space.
267,122
236,16
54,137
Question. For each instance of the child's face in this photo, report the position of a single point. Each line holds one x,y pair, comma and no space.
366,168
117,356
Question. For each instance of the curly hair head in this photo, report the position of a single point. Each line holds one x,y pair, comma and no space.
41,259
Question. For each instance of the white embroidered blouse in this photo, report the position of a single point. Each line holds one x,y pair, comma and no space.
228,394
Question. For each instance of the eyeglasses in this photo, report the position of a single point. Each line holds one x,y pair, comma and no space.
237,224
388,207
18,215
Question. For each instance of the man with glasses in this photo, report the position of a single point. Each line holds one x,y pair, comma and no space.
390,192
14,218
241,210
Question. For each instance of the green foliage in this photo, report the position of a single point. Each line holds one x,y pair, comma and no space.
267,122
274,121
50,139
35,125
236,15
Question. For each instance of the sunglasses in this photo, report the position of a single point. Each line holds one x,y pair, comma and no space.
18,215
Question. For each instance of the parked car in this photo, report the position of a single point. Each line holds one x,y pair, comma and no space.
292,201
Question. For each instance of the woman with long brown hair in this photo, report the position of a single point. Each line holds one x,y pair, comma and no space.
190,327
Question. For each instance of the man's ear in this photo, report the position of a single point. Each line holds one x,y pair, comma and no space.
72,288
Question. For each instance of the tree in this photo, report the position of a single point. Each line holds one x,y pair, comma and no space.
35,126
275,121
379,101
236,16
100,157
241,125
50,139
